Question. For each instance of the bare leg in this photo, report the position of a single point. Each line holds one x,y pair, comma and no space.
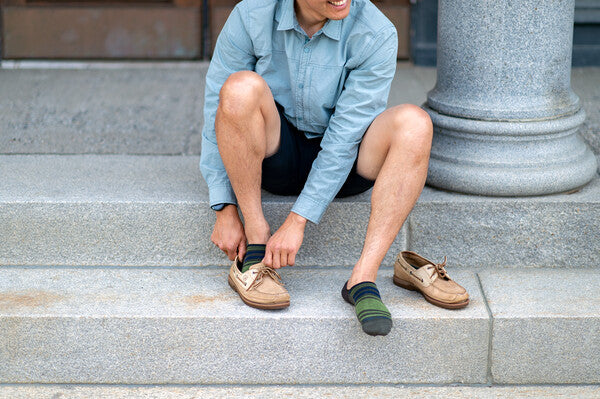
394,152
248,130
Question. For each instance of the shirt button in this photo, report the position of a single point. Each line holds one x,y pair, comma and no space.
301,85
306,49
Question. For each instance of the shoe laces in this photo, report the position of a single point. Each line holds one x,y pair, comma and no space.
264,270
440,270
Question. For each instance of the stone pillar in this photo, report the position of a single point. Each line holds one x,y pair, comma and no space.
504,113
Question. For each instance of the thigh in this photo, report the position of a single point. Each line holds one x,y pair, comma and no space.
285,171
246,93
270,113
355,184
371,155
375,145
272,125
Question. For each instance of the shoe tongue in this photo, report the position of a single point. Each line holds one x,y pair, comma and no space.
430,269
259,265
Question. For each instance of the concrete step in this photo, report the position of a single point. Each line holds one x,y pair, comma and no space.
545,325
156,108
153,110
122,210
275,392
112,108
186,326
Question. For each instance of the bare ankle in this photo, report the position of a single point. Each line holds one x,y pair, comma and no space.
359,277
258,234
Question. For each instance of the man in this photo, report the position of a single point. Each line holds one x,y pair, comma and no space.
295,103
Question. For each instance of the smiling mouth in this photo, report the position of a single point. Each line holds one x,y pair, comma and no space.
338,3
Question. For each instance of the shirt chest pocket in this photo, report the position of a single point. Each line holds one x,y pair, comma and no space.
326,84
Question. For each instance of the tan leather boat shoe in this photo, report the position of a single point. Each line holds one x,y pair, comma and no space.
259,287
415,273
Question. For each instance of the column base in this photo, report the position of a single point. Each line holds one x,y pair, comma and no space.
504,158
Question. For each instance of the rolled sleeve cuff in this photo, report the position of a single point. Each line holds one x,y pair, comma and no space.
221,195
309,208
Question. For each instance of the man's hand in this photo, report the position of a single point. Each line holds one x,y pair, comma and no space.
228,233
283,246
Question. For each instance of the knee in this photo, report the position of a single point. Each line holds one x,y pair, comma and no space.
241,93
412,128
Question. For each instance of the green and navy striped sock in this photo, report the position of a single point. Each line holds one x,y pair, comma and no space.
373,315
254,254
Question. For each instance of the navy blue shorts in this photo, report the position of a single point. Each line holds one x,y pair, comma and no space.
286,171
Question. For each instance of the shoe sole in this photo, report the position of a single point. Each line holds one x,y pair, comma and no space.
409,286
257,305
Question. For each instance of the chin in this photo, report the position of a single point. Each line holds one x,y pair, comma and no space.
340,14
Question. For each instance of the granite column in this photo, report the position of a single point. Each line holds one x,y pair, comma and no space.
505,115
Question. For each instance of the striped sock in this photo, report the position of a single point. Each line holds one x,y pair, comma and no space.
373,315
254,254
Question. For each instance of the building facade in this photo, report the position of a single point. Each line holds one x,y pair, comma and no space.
187,29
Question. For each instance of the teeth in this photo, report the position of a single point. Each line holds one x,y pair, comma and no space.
338,3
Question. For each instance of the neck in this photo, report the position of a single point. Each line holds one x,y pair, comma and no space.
309,21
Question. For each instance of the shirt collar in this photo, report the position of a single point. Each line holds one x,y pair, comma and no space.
287,21
333,29
286,17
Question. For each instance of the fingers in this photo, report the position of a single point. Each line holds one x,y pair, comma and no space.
241,250
231,252
268,260
232,248
279,253
222,247
284,259
228,235
277,260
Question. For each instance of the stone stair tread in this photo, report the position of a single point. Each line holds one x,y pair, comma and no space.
102,178
184,325
120,109
119,210
32,391
524,293
198,293
151,178
148,109
546,325
140,326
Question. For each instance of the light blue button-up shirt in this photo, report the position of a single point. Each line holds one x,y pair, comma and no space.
331,85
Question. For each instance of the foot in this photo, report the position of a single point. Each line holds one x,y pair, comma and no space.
372,314
259,287
254,254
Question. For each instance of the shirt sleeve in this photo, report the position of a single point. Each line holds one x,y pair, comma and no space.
364,97
233,52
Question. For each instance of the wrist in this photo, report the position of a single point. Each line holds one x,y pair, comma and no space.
228,210
297,219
